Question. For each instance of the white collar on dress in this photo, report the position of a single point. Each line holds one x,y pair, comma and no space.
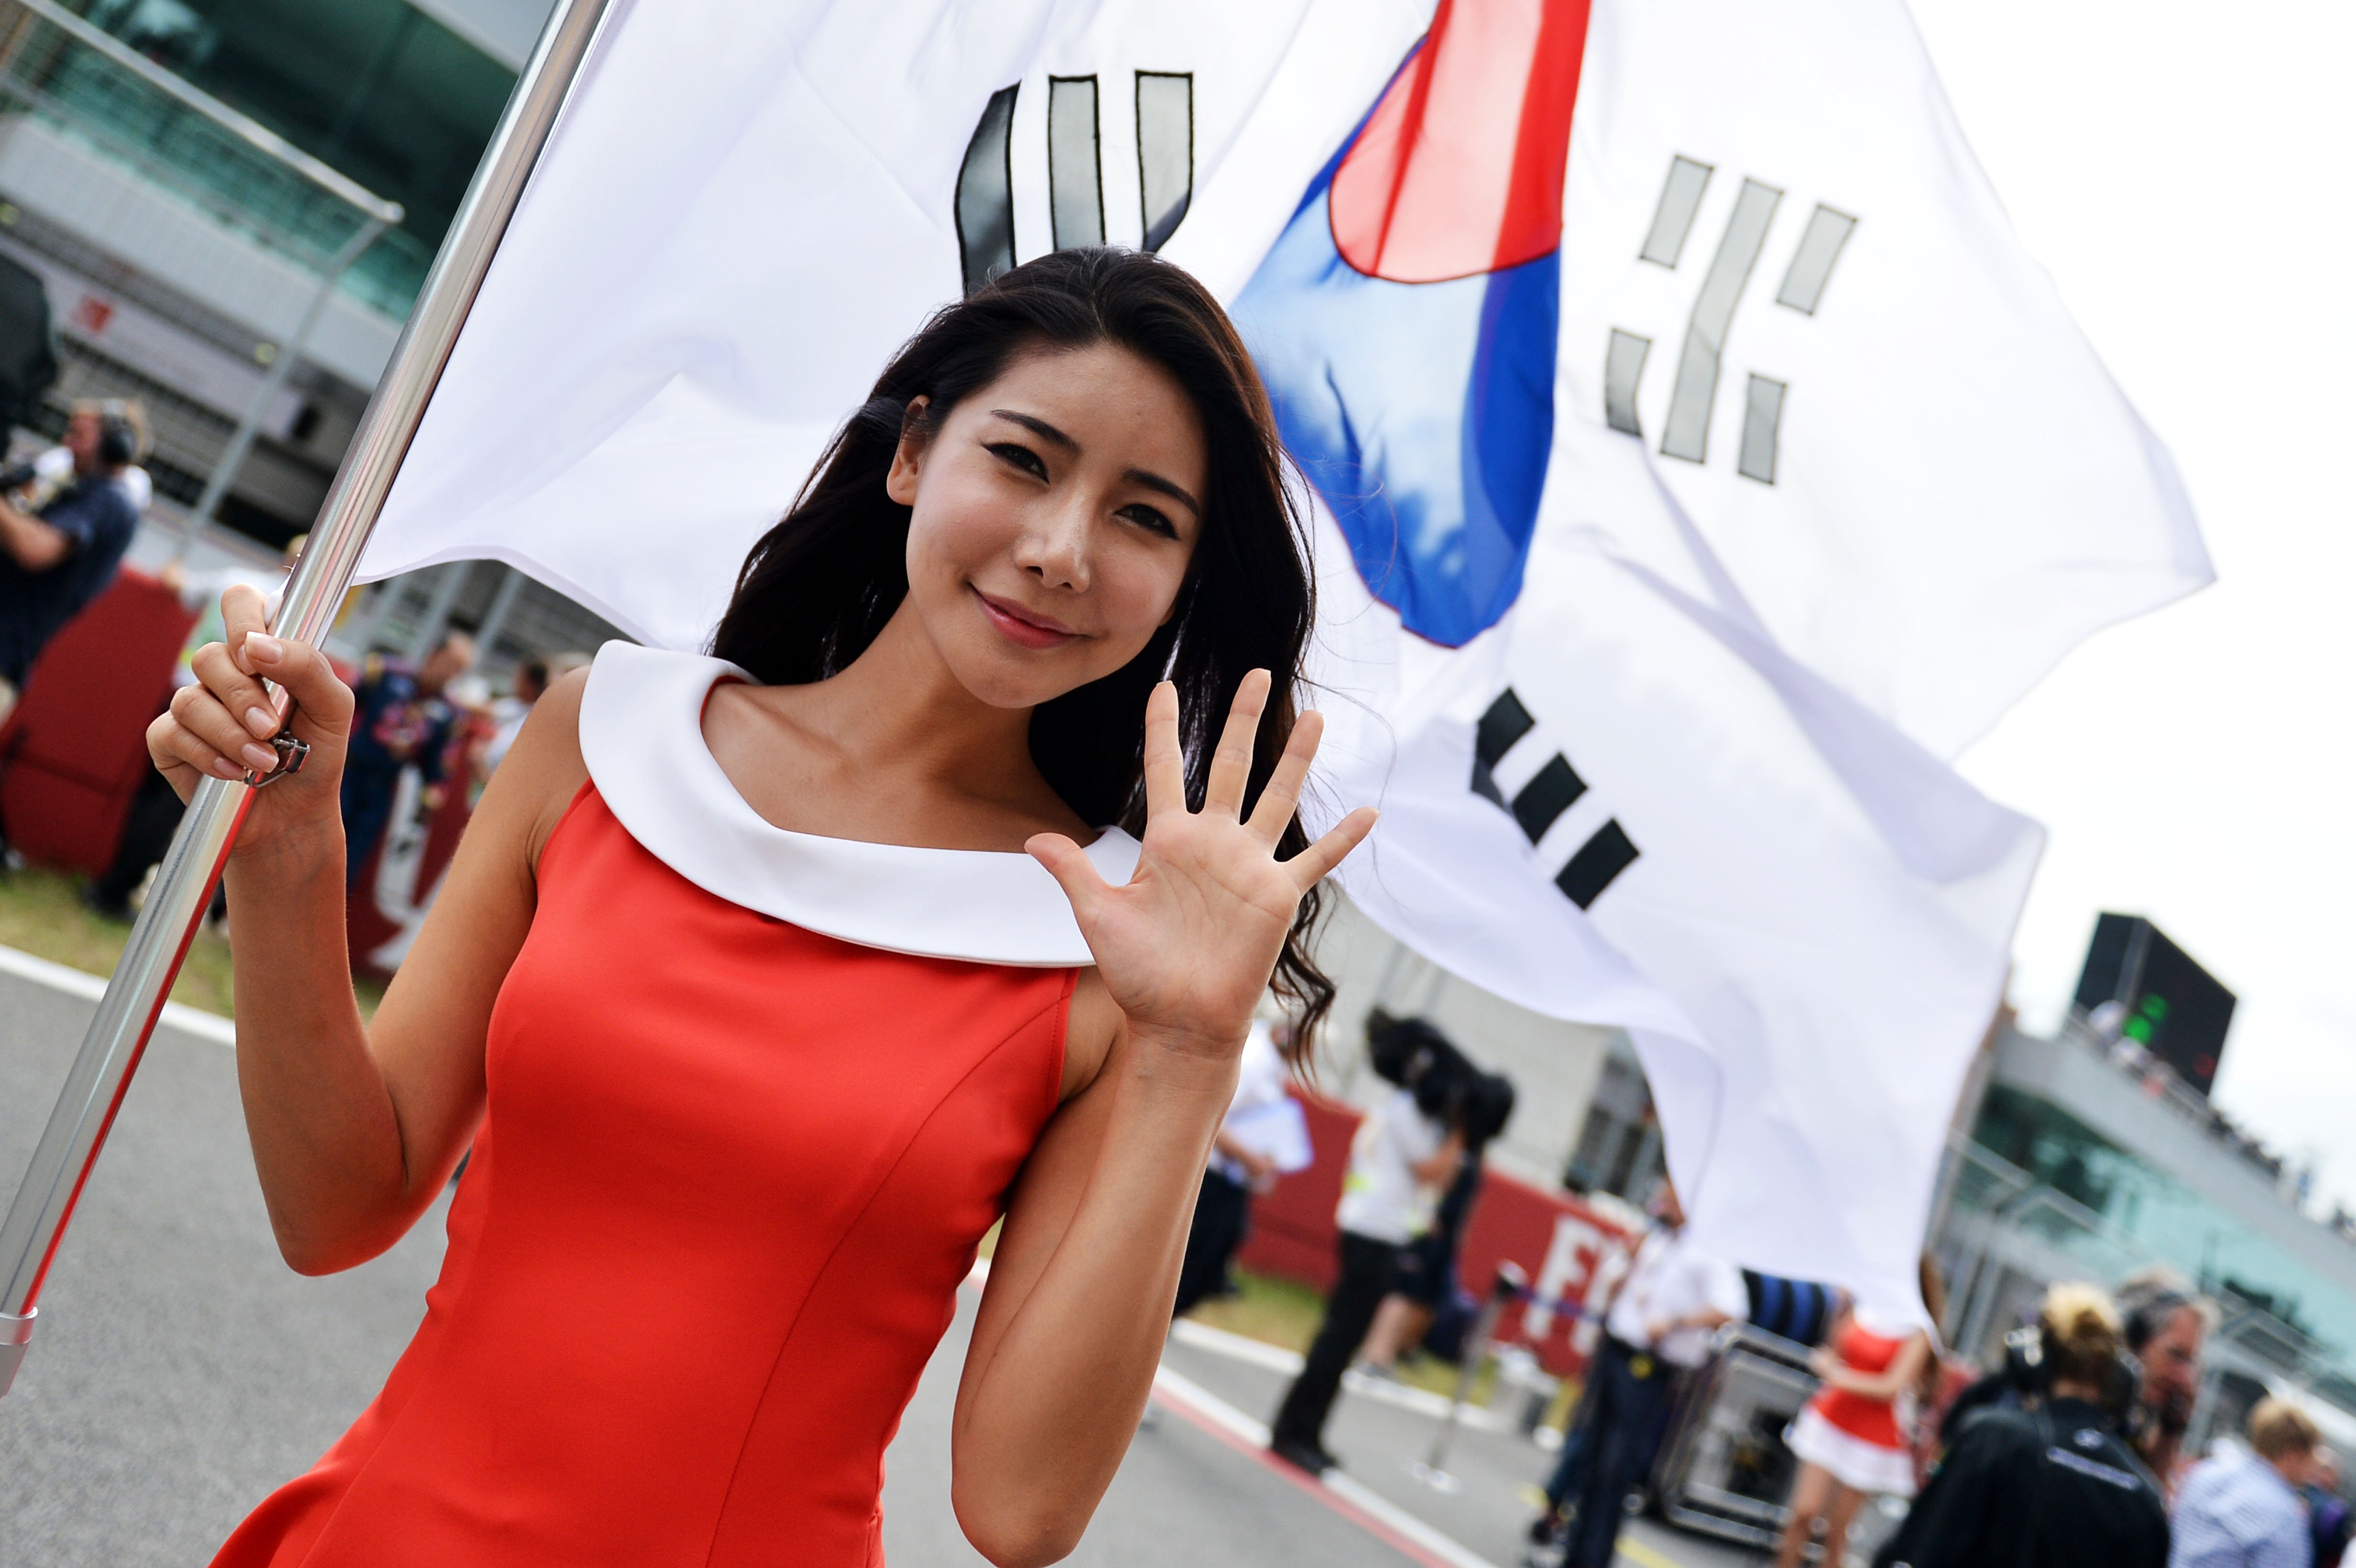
642,736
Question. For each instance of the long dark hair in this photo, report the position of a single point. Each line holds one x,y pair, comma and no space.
820,585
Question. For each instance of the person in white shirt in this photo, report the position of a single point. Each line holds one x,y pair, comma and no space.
1671,1301
507,714
1402,1153
2241,1509
1238,1169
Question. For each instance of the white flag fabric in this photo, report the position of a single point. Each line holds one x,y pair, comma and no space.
748,205
1699,462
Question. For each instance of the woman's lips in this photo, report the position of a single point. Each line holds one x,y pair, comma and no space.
1024,627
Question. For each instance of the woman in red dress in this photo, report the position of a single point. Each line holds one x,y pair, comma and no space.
1853,1438
763,984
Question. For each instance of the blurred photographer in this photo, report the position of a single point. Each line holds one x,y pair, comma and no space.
60,554
2049,1482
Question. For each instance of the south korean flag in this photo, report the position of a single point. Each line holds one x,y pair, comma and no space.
1699,462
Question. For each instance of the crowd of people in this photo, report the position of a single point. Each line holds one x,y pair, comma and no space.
424,714
2071,1453
2070,1456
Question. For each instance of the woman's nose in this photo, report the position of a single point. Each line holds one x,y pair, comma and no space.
1055,546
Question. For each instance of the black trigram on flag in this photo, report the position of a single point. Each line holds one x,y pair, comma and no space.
1540,801
1075,211
1695,391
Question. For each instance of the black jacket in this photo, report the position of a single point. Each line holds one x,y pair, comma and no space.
2053,1486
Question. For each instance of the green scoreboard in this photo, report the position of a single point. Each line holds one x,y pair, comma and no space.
2174,1007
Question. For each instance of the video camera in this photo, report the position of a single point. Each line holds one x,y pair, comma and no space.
1447,1085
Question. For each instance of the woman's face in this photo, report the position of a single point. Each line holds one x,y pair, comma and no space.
1054,514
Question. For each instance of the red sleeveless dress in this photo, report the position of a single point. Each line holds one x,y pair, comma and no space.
1860,1440
730,1174
1873,1421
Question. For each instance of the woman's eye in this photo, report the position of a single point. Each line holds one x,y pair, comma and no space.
1153,521
1021,456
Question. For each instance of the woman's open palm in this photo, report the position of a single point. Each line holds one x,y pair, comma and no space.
1186,946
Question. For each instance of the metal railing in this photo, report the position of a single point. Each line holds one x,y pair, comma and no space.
90,88
2002,1219
2164,1085
96,92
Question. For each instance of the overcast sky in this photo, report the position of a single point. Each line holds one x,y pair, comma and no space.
2188,174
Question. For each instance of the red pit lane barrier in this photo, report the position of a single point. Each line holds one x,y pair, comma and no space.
74,753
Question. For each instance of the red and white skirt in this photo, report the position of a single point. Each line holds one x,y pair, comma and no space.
1855,1463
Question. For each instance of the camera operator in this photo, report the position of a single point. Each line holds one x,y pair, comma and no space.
1405,1150
2049,1482
1426,1279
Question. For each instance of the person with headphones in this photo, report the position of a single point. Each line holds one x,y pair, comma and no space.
2048,1482
58,557
2166,1324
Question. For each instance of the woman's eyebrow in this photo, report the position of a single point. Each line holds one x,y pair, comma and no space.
1039,427
1152,481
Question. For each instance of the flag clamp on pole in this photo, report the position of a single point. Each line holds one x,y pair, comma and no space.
134,995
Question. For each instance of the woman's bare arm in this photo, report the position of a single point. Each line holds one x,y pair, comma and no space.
1072,1323
355,1128
1073,1319
1904,1368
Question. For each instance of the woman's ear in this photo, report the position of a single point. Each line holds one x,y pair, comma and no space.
907,459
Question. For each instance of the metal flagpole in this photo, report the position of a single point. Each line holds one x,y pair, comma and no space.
134,996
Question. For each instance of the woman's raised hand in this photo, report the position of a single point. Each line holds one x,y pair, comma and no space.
1186,946
221,727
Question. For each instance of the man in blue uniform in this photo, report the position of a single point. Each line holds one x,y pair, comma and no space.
57,558
400,718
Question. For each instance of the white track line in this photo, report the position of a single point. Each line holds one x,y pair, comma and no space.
1276,1358
1180,1391
1353,1499
90,988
